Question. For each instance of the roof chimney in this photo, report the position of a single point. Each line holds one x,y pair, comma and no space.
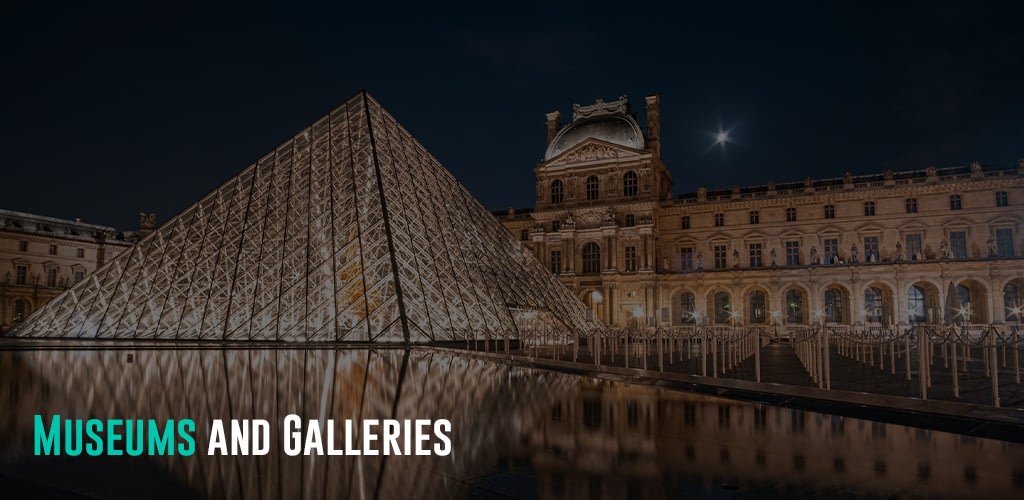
554,123
654,123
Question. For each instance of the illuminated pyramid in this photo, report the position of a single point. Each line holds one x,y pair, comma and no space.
349,231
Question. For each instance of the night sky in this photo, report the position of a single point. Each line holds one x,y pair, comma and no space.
111,112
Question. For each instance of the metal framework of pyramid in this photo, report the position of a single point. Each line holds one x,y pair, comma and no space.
349,231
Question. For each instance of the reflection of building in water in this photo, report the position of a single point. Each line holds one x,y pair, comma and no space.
40,257
269,384
639,442
871,248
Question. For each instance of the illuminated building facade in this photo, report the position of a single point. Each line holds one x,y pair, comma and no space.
40,257
857,249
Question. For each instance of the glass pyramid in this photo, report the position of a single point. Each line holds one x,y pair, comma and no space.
349,231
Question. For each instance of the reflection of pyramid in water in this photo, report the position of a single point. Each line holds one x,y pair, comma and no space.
348,231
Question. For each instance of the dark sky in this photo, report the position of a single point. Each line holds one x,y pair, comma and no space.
113,111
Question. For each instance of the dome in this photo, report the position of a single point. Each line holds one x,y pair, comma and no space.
618,129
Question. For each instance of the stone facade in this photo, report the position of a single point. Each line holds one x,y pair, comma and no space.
885,248
40,257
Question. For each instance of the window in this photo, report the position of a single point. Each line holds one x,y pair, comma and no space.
20,275
556,262
630,220
53,250
757,307
831,248
914,247
869,208
591,258
955,202
79,276
51,277
593,188
871,249
629,184
794,306
790,214
556,191
1004,242
686,259
630,254
755,255
915,305
911,205
755,217
873,305
81,253
1012,303
720,258
793,253
22,246
958,244
830,211
20,310
1002,200
964,295
556,226
723,310
684,222
833,306
719,220
523,235
688,307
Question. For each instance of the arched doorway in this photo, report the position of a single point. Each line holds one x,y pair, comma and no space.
796,306
878,304
722,313
757,307
836,308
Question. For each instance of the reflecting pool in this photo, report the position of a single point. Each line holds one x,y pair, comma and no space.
517,432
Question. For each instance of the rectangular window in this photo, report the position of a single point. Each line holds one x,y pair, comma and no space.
20,275
955,202
79,276
755,217
914,247
23,246
755,255
791,214
958,244
1004,242
53,250
830,211
831,249
1002,200
556,262
630,220
556,226
719,220
793,253
911,205
81,253
686,258
871,249
685,222
869,208
630,259
523,235
720,261
51,277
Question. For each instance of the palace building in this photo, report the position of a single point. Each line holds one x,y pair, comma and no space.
41,256
882,249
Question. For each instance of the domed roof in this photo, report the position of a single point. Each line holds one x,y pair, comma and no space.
619,129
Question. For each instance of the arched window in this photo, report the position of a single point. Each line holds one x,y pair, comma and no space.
964,294
874,307
916,305
688,306
833,306
591,258
758,303
556,191
794,306
629,184
723,310
1011,301
593,188
20,310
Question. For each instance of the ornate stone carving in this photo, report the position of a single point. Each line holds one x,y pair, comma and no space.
621,106
590,152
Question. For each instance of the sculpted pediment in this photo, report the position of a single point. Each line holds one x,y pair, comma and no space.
593,150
